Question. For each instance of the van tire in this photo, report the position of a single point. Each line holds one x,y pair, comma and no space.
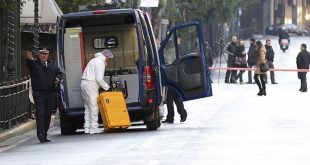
153,125
67,125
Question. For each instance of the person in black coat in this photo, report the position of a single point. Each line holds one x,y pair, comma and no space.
283,34
240,60
270,58
231,51
45,76
252,59
303,61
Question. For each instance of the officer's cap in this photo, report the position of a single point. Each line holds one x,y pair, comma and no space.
44,50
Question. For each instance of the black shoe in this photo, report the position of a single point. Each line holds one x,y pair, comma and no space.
303,90
167,121
260,93
233,81
249,82
183,119
42,138
226,81
274,83
45,141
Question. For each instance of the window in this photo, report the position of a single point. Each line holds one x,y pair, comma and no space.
188,42
169,52
105,42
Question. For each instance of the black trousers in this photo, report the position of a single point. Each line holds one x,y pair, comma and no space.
261,81
172,96
44,103
230,74
271,66
303,80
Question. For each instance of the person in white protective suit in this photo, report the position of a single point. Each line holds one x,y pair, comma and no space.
92,81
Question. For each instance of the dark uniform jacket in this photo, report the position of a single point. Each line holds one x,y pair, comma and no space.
269,53
252,55
303,60
42,77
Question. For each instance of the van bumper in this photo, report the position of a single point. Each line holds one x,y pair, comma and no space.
79,112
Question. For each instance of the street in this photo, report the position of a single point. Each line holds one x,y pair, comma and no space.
233,127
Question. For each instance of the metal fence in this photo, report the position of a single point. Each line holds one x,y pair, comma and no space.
15,106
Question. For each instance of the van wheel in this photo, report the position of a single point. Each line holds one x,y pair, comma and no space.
67,125
153,125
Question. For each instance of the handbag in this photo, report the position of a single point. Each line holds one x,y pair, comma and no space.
264,67
240,61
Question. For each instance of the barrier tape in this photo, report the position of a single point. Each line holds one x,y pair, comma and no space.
275,69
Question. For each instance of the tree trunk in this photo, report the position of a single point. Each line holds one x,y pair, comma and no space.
157,21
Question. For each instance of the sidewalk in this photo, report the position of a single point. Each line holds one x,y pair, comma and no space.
18,130
21,129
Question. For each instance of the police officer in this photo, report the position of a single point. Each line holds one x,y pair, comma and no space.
45,76
173,96
302,61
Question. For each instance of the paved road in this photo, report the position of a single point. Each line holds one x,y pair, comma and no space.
234,127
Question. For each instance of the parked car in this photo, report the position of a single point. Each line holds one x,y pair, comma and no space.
141,69
292,29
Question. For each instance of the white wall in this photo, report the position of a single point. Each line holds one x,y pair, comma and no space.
48,12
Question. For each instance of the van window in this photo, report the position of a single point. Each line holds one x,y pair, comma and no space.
105,42
169,52
187,40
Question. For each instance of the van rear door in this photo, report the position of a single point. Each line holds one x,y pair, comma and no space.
183,62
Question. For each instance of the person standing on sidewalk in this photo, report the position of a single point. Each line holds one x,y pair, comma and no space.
231,51
45,76
302,61
252,59
270,57
173,96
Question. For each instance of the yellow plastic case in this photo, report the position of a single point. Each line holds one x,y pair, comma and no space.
113,110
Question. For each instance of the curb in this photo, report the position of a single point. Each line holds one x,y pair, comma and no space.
18,130
22,129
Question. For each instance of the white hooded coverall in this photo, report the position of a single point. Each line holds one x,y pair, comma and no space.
92,80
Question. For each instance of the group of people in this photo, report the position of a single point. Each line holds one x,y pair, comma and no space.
237,59
260,54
